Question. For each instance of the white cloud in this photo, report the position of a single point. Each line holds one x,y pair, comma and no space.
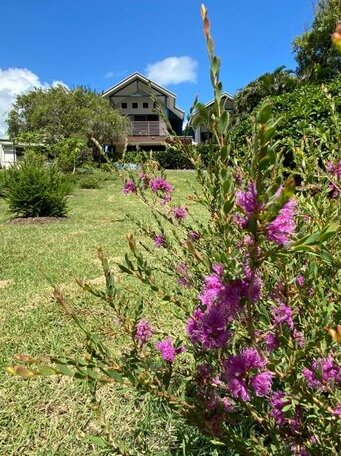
59,83
13,82
173,70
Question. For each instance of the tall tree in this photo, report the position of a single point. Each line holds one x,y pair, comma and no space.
315,54
56,114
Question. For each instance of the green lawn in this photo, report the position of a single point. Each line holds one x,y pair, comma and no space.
51,416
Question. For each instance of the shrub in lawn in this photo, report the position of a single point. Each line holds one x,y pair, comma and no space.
90,182
106,168
248,349
173,158
35,189
170,158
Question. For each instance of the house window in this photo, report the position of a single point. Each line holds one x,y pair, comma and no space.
135,105
124,105
146,105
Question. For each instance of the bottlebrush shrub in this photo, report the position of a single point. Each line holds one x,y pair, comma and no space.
249,355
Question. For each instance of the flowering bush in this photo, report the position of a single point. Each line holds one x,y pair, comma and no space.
254,289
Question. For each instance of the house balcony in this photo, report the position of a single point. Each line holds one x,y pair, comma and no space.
148,128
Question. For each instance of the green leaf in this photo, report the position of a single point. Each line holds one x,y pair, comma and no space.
45,371
113,374
264,113
98,441
224,153
64,370
215,65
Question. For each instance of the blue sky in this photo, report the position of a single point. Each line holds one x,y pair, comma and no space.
98,43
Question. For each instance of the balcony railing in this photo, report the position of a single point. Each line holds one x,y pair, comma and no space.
148,128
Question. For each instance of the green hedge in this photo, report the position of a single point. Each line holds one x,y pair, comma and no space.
301,112
171,158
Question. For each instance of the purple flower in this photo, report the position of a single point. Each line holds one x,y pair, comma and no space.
165,199
282,315
299,450
227,295
278,401
203,372
262,383
208,328
184,282
298,337
283,226
129,187
238,176
300,280
271,342
218,268
160,185
167,349
145,179
334,168
337,411
184,279
240,220
181,268
193,235
143,332
240,376
220,303
323,372
253,284
247,200
238,389
179,213
160,240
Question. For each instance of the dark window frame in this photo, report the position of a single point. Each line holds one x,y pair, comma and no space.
124,105
145,105
135,105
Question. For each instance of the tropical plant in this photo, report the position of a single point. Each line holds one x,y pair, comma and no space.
269,84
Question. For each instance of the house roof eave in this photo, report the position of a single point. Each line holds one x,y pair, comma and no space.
130,78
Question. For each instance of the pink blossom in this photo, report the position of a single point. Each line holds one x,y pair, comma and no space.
129,187
179,213
283,226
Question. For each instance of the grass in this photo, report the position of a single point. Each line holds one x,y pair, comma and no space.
51,416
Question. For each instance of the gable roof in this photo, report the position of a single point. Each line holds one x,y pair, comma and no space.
224,95
132,78
138,76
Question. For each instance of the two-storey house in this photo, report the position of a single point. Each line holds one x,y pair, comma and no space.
142,101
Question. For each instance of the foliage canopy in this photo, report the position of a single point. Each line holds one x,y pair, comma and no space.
56,114
317,58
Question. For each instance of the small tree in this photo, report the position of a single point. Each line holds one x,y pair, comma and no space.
58,114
